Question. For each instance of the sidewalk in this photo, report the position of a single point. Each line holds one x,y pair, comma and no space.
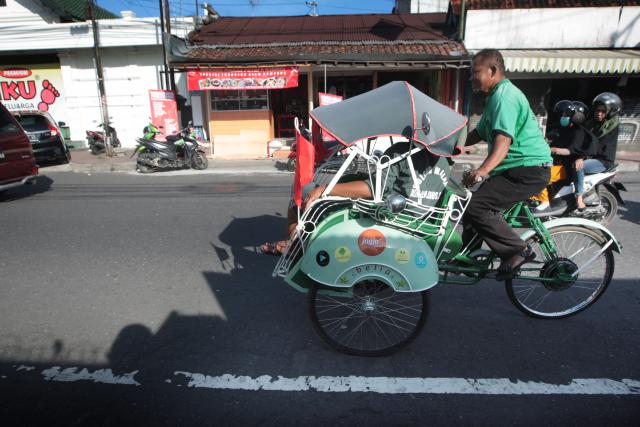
82,161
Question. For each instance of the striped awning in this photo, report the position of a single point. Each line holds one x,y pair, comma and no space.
584,61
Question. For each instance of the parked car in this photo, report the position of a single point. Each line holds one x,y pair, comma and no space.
46,139
17,163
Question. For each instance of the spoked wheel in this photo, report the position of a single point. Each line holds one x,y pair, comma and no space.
609,205
199,161
573,281
368,319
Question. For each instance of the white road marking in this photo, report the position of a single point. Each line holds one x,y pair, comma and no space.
104,376
387,385
332,384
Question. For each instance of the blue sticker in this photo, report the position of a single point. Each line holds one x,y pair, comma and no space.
421,260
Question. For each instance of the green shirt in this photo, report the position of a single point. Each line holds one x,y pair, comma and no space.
432,173
507,112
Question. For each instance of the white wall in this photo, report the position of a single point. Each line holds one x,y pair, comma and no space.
129,74
553,28
25,12
422,6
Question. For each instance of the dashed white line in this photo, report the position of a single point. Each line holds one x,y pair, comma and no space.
390,385
356,384
105,376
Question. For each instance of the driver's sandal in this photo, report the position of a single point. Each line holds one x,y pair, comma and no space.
506,271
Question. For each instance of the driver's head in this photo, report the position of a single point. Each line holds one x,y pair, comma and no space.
487,70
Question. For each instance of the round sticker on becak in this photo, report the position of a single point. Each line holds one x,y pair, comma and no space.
421,260
402,256
343,254
372,242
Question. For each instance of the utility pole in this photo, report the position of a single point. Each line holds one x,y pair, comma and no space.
313,5
167,16
101,89
164,52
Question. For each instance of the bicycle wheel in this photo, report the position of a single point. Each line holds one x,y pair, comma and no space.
369,319
563,293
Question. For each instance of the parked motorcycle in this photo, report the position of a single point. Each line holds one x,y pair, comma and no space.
179,151
96,139
602,197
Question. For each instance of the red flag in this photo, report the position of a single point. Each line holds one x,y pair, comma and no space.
321,151
305,155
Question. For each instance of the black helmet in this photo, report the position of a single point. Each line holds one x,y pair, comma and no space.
562,106
611,102
577,109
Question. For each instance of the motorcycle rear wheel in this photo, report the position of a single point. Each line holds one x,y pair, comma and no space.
199,161
609,204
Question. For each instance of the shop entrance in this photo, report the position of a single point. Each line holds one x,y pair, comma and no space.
287,104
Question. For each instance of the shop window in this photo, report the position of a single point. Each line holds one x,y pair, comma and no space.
233,100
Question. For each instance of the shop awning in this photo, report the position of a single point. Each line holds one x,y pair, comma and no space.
583,61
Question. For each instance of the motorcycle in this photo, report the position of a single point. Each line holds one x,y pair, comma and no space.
179,151
602,197
96,139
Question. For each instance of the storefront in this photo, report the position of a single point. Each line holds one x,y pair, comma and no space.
253,84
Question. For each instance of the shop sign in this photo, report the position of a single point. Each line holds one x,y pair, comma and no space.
243,79
164,111
32,87
328,99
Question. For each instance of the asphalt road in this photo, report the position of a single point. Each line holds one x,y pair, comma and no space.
120,293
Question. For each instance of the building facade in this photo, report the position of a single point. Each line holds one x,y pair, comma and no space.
50,50
299,59
561,49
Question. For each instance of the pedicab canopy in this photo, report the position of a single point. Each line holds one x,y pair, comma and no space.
394,109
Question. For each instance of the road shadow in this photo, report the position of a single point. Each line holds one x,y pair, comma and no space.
630,211
42,185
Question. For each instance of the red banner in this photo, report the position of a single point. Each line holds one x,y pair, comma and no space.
328,99
164,111
243,79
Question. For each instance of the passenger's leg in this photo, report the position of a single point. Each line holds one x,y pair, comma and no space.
589,167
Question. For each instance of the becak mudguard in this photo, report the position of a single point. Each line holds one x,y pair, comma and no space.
360,249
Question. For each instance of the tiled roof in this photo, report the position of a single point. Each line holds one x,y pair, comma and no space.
533,4
329,38
370,27
76,10
302,53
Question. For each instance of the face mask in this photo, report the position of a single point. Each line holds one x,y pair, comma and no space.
564,121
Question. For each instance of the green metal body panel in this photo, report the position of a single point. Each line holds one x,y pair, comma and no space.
617,246
355,249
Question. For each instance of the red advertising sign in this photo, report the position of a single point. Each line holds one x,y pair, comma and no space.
243,79
164,111
328,99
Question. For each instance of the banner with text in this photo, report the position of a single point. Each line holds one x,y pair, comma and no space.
32,87
164,111
243,79
328,99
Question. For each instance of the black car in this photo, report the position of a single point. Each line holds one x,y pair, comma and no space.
46,140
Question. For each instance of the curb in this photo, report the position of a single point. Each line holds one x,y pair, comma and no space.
269,169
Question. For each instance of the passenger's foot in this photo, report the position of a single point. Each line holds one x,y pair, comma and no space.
509,268
273,248
542,206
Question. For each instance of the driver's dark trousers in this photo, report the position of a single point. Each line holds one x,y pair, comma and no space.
498,193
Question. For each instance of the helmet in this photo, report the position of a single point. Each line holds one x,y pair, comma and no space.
611,102
577,109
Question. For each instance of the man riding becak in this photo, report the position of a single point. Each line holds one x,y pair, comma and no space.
516,168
